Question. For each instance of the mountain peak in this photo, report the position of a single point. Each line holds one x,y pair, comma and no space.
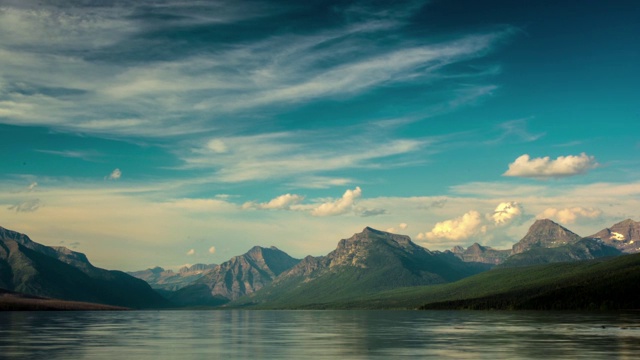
624,236
545,233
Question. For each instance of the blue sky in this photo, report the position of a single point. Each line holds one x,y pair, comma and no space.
173,132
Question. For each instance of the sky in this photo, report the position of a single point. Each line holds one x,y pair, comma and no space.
174,132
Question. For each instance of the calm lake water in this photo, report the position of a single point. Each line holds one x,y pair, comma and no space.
237,334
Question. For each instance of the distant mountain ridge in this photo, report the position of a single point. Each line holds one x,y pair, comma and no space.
239,276
481,254
57,272
160,278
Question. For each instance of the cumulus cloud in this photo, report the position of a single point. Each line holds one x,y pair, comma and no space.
116,174
569,215
506,212
525,166
401,226
282,202
212,250
460,228
191,252
26,206
340,206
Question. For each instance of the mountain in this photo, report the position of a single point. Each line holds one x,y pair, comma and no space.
545,234
241,275
624,236
584,249
601,284
57,272
480,254
160,278
368,262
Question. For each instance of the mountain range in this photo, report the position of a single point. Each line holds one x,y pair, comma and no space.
361,267
57,272
162,279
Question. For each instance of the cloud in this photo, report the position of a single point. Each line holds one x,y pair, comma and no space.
364,212
544,167
438,203
27,206
461,228
299,155
506,212
401,226
187,83
212,250
569,215
217,146
515,130
191,252
115,175
340,206
32,186
282,202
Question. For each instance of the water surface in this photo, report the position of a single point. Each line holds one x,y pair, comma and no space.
237,334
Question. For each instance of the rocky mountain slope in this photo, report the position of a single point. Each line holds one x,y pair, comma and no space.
56,272
545,234
368,262
160,278
625,236
480,254
241,275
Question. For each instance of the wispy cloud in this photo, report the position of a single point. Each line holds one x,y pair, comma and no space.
304,154
27,206
188,94
515,130
541,168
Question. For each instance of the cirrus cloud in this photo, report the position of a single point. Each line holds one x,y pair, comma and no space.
545,167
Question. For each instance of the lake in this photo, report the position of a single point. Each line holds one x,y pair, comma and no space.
336,335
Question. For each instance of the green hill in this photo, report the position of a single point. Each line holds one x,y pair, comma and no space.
611,283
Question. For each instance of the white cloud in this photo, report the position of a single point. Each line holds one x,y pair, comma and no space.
340,206
191,252
299,155
282,202
116,174
506,212
181,94
569,215
212,250
461,228
401,226
544,167
26,206
217,146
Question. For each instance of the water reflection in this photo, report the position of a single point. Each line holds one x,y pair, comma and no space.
318,335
